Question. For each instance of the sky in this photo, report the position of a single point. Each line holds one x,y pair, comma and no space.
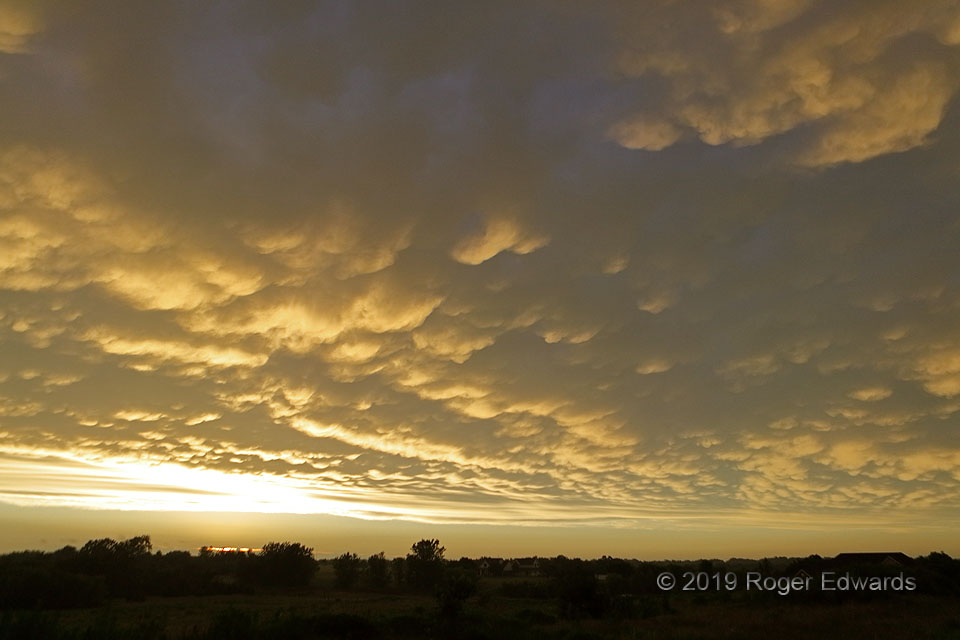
654,279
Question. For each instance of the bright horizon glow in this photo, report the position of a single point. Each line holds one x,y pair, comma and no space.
127,485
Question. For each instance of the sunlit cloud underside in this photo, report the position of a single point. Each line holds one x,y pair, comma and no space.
657,264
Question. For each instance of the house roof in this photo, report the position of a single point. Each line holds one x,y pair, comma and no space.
873,558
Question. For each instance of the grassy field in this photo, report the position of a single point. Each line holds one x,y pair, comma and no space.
323,613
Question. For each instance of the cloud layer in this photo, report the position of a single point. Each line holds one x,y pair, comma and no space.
505,263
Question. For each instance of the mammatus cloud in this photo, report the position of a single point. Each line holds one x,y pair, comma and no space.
423,283
860,81
498,234
642,133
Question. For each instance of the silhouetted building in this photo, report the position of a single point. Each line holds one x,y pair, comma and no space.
890,559
526,567
490,567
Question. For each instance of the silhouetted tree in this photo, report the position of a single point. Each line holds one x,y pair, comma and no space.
425,564
123,564
467,564
809,564
938,573
287,564
346,568
377,570
765,567
398,570
178,573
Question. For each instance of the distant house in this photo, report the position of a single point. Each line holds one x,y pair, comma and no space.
525,567
888,559
490,567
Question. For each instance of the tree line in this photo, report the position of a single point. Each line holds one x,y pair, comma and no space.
104,568
107,568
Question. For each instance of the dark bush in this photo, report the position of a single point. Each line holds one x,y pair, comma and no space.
579,590
454,588
28,582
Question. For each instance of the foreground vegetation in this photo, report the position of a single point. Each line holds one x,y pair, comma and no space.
110,589
339,615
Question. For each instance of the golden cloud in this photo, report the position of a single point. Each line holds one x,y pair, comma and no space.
499,234
839,73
